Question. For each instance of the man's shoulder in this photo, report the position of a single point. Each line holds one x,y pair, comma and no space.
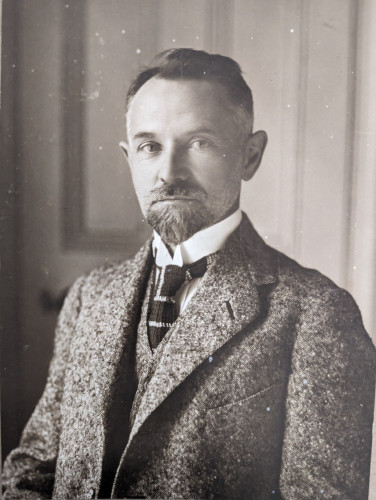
288,273
308,281
326,312
315,291
95,281
314,296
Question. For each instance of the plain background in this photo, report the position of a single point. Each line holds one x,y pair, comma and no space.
67,201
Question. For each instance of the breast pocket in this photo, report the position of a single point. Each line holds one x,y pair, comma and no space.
245,413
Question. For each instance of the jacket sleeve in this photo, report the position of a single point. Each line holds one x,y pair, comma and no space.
329,412
29,470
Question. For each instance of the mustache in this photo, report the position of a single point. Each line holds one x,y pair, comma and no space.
180,188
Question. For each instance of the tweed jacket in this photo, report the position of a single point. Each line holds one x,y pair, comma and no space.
263,390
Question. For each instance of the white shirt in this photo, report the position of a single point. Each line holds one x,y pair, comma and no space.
201,244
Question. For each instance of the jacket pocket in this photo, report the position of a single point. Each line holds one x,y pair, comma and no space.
239,403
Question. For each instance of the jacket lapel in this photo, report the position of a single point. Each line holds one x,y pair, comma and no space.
116,317
107,332
225,302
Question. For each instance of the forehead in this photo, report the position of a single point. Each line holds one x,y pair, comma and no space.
161,102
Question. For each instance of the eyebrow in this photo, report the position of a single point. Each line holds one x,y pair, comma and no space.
202,130
144,135
151,135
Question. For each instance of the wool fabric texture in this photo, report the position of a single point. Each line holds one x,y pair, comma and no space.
263,388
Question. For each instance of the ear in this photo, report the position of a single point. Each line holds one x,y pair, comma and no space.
124,147
254,149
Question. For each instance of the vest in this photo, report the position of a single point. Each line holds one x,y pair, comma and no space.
147,359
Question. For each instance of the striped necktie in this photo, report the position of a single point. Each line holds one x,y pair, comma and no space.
162,308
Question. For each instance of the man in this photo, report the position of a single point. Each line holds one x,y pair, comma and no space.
210,365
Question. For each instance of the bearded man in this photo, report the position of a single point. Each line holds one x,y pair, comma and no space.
210,365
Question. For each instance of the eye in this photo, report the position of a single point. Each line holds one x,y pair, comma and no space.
149,147
200,144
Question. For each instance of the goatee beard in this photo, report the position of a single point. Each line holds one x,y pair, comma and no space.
176,224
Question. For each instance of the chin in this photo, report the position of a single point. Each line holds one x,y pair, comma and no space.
178,224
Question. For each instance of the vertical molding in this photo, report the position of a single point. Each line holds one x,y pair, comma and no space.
72,69
219,26
348,181
76,233
301,126
11,231
362,241
291,116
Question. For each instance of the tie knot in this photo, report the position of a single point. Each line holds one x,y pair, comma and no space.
172,277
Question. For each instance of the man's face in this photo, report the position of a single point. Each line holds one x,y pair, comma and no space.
185,156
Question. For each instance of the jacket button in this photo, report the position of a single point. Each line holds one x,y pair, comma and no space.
91,493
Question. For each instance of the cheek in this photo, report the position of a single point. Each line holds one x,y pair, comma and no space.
142,177
219,178
140,187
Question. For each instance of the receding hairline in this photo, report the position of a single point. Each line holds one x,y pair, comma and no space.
197,65
238,115
211,82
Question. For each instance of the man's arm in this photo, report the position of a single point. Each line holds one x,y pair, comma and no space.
29,470
327,442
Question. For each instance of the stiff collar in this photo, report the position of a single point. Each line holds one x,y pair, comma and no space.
202,243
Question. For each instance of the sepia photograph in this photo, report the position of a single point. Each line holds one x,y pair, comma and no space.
188,249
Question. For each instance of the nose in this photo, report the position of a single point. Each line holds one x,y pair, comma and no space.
173,166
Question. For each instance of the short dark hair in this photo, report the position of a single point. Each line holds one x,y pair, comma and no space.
190,64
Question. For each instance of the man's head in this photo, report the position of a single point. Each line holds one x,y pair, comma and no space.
190,141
